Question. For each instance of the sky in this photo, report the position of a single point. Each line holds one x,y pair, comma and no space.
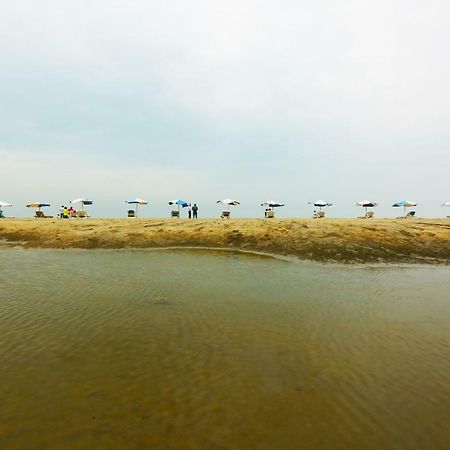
293,101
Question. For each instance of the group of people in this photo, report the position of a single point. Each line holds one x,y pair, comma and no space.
65,212
193,211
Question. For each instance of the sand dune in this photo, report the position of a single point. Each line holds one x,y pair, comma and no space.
342,240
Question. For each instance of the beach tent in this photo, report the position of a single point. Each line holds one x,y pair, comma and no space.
137,202
405,204
367,204
272,204
83,202
320,204
38,205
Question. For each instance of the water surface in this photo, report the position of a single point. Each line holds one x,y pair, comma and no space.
198,350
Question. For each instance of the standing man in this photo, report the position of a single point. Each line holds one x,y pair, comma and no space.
194,211
189,211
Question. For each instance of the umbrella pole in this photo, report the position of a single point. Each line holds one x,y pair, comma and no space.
136,213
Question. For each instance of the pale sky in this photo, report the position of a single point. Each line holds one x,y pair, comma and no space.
294,101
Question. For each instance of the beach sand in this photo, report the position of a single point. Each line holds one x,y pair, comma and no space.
325,240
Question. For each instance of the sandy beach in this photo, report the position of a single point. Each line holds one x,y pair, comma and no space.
332,240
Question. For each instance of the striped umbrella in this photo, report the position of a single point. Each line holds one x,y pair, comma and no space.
137,201
405,204
367,204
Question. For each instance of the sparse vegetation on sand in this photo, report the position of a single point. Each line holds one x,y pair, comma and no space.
338,240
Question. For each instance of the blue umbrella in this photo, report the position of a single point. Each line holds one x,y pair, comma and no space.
405,204
179,203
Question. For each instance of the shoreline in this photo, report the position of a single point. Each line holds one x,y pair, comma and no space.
422,241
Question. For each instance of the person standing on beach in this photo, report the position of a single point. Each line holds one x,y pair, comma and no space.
194,211
189,212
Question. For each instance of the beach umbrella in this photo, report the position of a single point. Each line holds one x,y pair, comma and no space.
82,201
367,204
180,203
38,205
272,204
320,204
4,204
228,202
137,202
405,204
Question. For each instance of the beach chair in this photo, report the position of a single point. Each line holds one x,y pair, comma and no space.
175,214
131,213
320,214
269,214
225,215
411,214
82,214
369,215
41,215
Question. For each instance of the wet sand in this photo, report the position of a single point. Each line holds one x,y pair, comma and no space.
325,240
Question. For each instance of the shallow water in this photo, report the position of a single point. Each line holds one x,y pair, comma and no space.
198,350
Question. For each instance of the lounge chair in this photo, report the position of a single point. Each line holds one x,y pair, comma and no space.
41,215
369,215
411,214
131,213
269,214
225,215
82,214
175,214
320,214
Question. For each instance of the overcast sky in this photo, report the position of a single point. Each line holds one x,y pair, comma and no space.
294,101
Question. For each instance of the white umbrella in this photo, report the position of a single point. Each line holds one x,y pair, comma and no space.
367,204
3,205
320,204
137,201
38,205
228,202
272,204
82,201
446,204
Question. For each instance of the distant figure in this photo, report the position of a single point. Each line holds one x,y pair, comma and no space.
194,211
61,212
1,215
65,213
189,212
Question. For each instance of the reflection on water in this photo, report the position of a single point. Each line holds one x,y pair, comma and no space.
197,350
